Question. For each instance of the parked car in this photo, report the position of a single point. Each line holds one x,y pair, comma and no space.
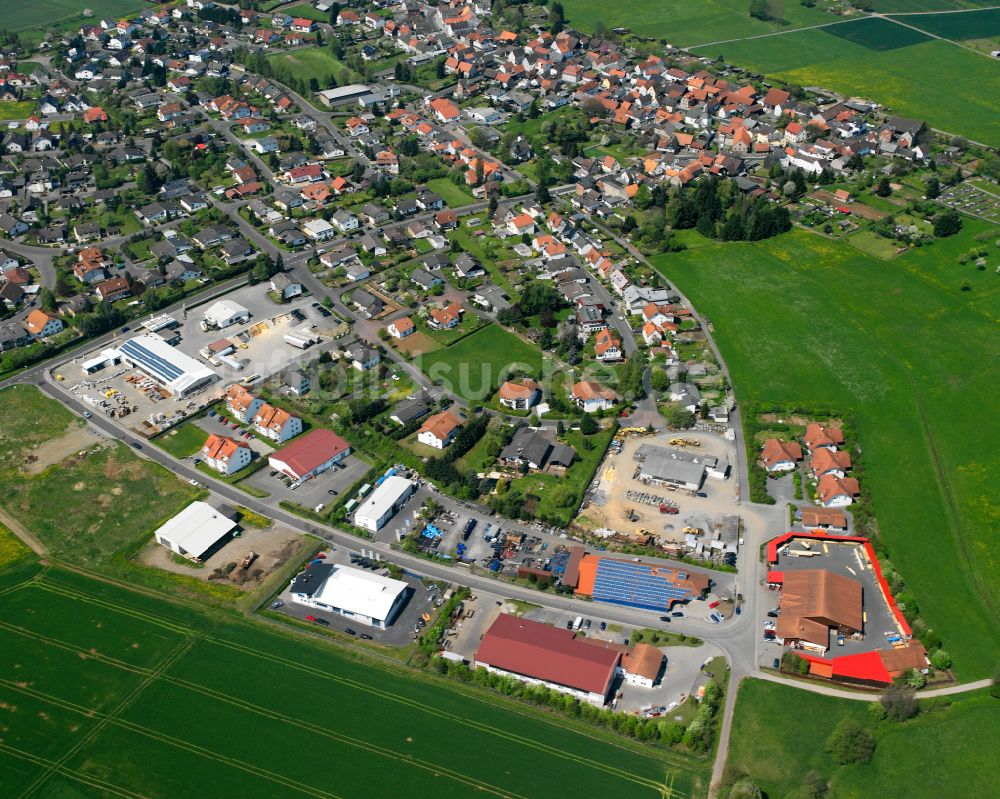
366,637
136,445
604,626
349,631
277,604
777,663
664,618
773,614
323,622
87,414
586,624
310,618
677,614
739,610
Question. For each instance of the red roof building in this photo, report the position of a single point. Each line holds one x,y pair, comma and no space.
310,454
540,653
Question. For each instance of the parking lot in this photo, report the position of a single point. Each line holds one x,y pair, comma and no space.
260,350
311,493
400,633
849,560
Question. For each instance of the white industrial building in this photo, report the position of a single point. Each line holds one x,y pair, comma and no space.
384,502
224,313
180,374
359,595
195,530
665,465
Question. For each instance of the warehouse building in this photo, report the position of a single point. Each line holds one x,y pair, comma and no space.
814,601
384,503
665,465
358,595
180,374
540,654
310,455
195,531
632,583
224,313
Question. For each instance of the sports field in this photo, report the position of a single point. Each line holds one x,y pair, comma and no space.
779,735
139,697
910,73
18,16
804,321
480,362
683,23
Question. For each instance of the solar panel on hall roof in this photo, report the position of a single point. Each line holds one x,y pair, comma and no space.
152,361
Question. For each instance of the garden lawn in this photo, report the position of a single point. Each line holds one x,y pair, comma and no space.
807,322
166,672
560,497
306,11
948,86
779,734
454,196
480,362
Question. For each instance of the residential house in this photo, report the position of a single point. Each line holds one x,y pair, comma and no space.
780,456
519,396
276,424
401,328
226,455
591,397
439,430
40,324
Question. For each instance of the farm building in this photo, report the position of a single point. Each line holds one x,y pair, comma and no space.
384,502
195,530
310,455
366,598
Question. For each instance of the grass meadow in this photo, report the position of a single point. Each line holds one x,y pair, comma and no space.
182,441
479,362
684,24
898,345
18,16
779,735
313,62
138,697
454,196
913,75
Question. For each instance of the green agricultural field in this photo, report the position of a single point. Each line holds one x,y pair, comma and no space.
18,16
970,25
685,23
889,6
182,441
805,321
480,362
777,740
912,75
137,698
453,195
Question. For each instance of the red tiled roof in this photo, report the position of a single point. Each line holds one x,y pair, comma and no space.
311,450
547,653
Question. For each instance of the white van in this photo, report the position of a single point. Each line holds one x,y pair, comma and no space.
578,622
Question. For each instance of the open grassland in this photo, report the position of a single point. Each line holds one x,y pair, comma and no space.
312,62
684,23
137,698
480,362
18,16
306,11
92,508
779,735
804,321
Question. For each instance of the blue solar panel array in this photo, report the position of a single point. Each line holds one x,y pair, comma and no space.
636,585
153,362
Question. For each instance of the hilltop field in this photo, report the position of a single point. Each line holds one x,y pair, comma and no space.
901,347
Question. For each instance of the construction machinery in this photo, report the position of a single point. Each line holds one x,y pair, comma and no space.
247,562
685,442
